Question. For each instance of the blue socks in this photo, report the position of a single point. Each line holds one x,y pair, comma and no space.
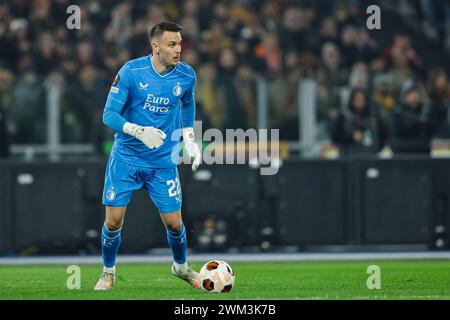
111,242
178,243
110,246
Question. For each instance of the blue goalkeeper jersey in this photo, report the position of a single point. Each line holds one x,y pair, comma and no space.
141,95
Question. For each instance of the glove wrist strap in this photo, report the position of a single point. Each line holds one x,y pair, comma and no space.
188,134
129,128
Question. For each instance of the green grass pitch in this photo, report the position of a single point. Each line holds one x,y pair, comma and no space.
419,279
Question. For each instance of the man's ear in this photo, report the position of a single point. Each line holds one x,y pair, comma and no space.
155,47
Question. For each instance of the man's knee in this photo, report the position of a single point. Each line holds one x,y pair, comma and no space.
113,224
172,221
114,219
174,226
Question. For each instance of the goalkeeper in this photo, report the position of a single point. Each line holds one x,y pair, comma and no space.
150,105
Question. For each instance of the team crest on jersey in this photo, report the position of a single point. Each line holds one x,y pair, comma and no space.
116,80
177,90
111,195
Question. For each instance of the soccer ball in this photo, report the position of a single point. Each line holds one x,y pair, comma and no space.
217,276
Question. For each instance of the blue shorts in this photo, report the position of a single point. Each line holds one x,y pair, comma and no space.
162,184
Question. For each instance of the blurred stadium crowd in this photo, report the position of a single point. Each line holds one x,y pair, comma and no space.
369,94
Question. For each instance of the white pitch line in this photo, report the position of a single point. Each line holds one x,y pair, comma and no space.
257,257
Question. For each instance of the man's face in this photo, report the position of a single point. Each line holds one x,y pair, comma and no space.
413,98
168,46
359,101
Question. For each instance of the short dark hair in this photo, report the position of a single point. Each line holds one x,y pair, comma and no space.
159,29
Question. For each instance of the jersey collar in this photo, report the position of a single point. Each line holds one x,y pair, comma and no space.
156,72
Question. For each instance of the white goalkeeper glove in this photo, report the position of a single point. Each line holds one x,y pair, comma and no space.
152,137
191,147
